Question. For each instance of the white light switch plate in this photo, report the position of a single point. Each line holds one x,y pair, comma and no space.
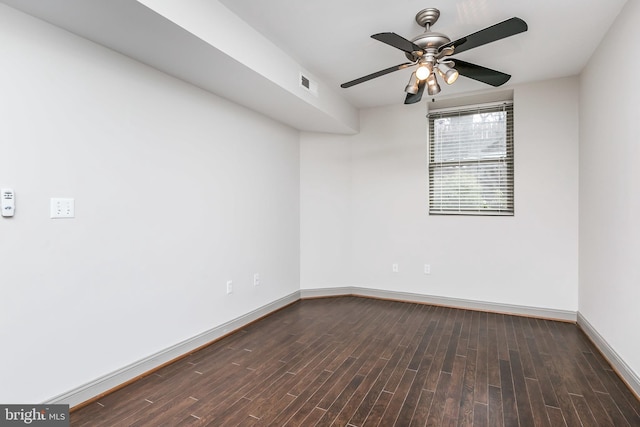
62,208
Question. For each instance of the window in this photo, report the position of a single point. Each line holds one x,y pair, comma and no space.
471,160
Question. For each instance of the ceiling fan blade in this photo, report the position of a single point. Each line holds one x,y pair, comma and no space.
413,98
479,73
399,42
499,31
376,74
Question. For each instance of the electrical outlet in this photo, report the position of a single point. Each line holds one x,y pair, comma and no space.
394,268
256,279
427,269
229,287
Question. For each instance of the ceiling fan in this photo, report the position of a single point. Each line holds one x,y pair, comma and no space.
432,52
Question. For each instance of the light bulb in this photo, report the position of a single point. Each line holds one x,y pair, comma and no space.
424,70
449,75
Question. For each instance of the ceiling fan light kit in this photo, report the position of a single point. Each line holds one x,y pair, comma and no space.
412,87
433,88
448,74
431,52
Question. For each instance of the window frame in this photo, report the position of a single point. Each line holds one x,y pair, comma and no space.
507,161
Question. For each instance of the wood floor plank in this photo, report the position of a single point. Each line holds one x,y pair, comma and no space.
257,382
454,392
590,397
521,331
503,343
411,399
555,417
168,412
612,410
346,379
313,417
545,342
512,341
559,385
538,407
496,416
372,396
422,409
624,402
465,332
523,401
450,354
509,408
480,415
422,347
594,382
493,351
354,361
444,334
475,325
481,384
288,411
374,417
467,400
583,410
548,393
349,409
436,411
320,393
338,404
397,401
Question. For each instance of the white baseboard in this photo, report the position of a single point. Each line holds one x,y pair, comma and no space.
624,371
112,380
521,310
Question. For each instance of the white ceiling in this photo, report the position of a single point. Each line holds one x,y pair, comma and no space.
331,38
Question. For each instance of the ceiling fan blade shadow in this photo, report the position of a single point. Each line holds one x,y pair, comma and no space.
399,42
413,98
479,73
496,32
376,74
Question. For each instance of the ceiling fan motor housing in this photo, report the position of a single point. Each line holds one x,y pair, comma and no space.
429,41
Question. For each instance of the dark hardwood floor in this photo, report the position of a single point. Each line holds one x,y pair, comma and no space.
353,361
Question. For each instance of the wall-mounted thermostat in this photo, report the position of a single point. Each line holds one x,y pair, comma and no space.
7,202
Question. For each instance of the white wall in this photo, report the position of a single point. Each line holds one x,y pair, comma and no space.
380,214
176,192
325,202
609,195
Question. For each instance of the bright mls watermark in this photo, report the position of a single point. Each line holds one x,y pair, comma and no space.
34,415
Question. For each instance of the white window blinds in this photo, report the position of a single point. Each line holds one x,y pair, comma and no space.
471,161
